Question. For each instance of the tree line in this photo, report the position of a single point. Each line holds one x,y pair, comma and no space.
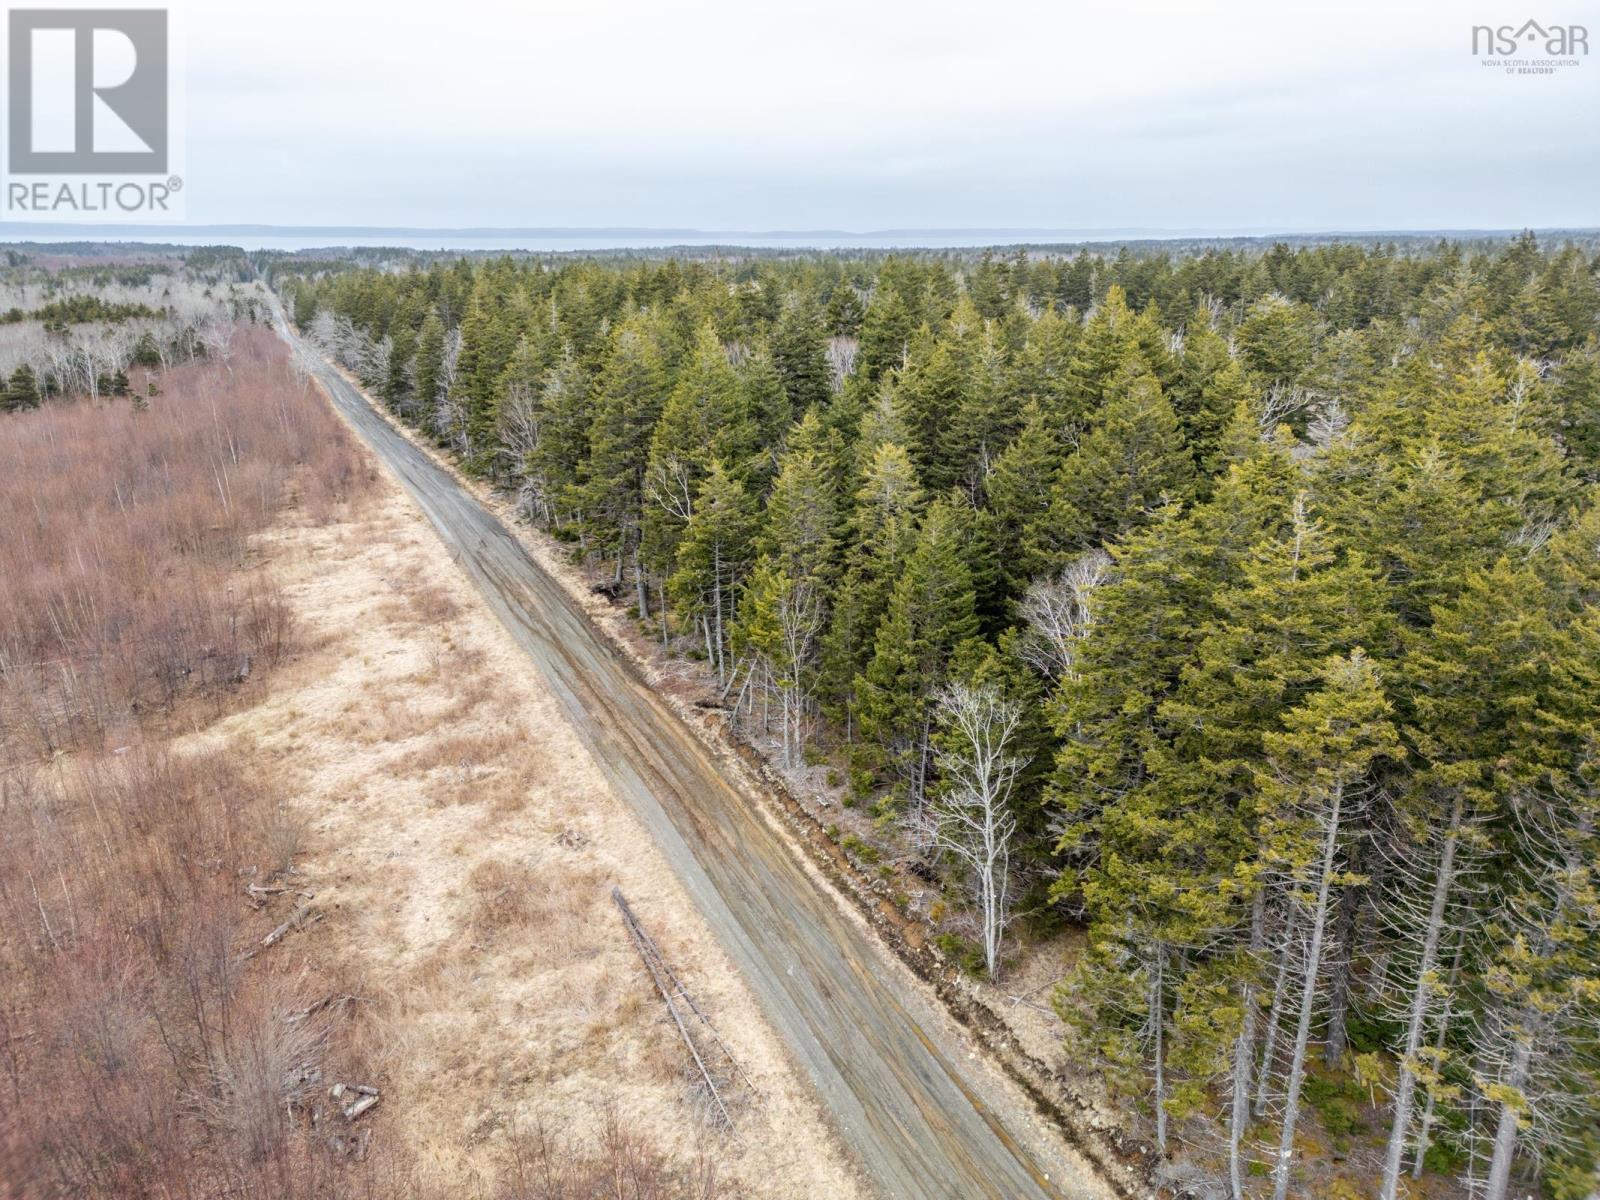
91,331
1237,605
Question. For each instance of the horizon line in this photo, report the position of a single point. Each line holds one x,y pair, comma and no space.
19,231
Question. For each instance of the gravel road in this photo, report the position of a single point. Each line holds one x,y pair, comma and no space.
901,1082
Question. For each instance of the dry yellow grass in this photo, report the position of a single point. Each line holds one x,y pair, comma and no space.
464,845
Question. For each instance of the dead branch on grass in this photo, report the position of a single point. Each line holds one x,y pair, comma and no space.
674,994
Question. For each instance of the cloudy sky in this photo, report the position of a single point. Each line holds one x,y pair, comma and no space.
869,114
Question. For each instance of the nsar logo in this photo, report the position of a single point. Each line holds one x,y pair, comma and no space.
1530,48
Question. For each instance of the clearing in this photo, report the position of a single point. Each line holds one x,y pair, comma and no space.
463,844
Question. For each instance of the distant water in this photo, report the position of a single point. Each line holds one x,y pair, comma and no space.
550,242
578,240
537,244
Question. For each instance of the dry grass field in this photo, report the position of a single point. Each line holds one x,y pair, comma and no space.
464,846
283,809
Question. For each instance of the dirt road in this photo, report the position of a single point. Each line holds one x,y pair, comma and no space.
900,1080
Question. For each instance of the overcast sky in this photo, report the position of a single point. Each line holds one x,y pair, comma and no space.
865,114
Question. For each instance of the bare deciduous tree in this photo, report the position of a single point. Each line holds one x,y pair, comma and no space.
842,353
217,337
449,418
971,816
1059,613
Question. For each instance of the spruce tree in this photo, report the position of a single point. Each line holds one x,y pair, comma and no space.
844,310
1277,340
928,394
766,404
1129,464
781,617
609,495
1047,370
1316,776
22,389
704,418
428,361
1223,396
932,609
883,531
146,353
1577,399
713,559
1018,490
886,329
802,517
554,463
799,355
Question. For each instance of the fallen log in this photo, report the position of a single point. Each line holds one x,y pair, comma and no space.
366,1099
672,991
299,919
329,1001
302,916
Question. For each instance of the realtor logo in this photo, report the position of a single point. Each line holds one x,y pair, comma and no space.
1531,48
91,128
88,91
1530,37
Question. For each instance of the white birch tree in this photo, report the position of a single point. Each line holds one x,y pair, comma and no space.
1059,614
970,816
